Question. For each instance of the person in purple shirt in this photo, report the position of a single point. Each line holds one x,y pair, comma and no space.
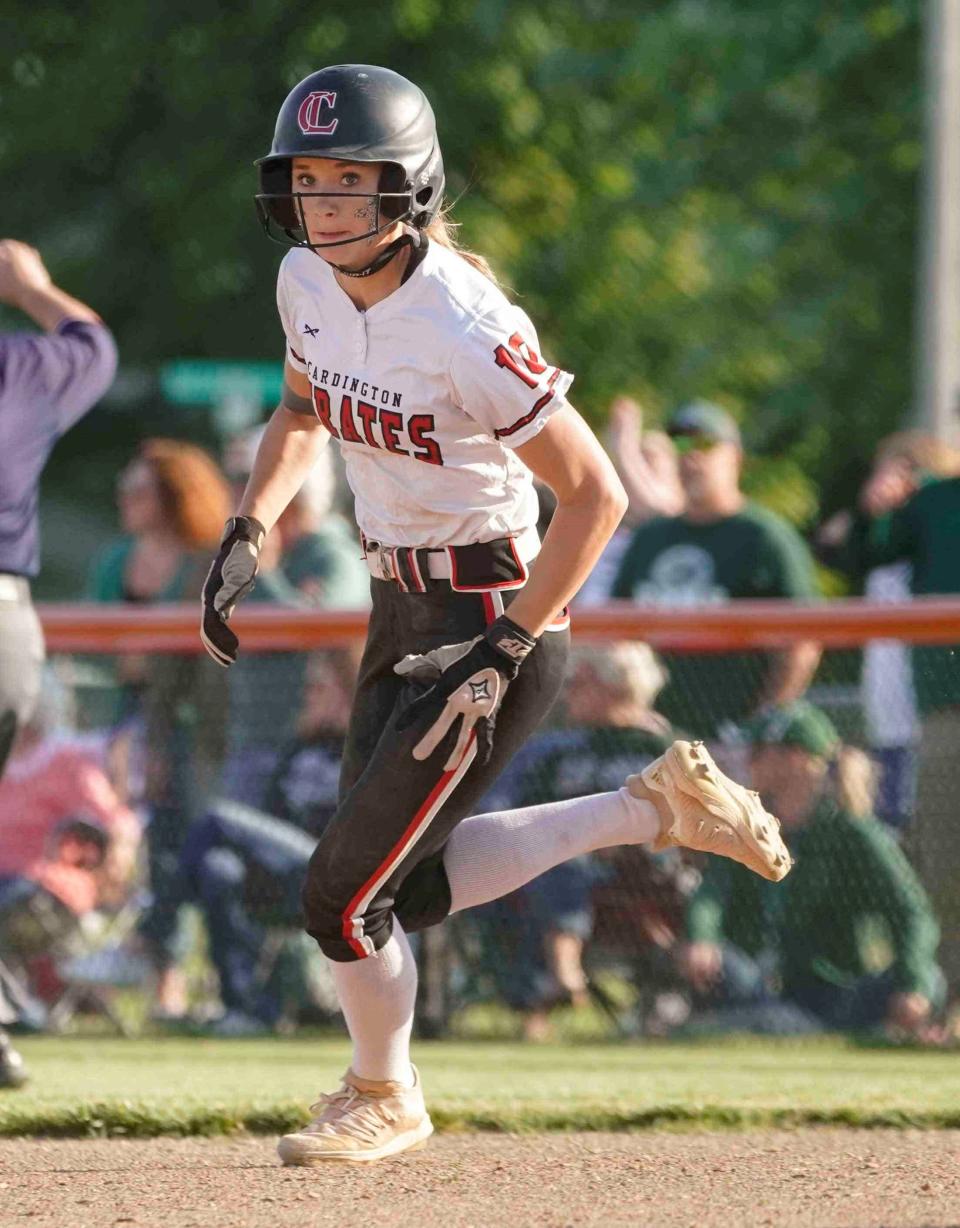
48,381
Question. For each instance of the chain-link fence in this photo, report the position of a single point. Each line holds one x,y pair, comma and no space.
158,814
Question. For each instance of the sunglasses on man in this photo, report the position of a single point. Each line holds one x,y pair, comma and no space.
692,441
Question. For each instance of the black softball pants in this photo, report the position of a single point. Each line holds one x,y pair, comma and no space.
382,853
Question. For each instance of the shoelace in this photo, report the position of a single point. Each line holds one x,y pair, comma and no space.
355,1114
761,824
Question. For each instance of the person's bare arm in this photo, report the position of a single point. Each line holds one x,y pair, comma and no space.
290,445
791,672
645,462
288,451
567,456
26,284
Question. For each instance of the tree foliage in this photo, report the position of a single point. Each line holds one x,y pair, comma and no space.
711,197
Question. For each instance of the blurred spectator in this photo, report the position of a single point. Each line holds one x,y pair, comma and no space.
173,501
535,936
904,462
47,383
919,525
721,548
67,843
320,550
168,496
646,462
303,788
851,900
311,559
53,777
66,865
244,867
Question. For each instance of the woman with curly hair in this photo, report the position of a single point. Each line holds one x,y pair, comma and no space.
171,496
172,499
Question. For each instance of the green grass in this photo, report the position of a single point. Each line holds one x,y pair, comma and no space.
91,1086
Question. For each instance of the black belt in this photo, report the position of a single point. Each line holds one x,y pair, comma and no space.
478,567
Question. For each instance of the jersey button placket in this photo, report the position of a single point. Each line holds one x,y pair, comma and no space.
360,341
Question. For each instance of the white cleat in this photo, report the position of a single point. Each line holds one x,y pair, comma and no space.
361,1122
702,809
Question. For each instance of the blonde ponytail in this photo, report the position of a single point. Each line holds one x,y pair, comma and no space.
441,230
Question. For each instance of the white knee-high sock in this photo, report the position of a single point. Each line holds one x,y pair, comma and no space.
491,855
377,996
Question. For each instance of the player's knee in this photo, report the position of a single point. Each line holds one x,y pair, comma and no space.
343,926
343,935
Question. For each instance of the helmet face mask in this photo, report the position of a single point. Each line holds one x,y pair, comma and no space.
353,113
286,219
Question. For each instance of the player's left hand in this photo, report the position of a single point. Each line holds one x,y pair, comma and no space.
230,578
469,681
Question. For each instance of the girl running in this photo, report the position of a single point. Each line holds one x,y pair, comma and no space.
402,348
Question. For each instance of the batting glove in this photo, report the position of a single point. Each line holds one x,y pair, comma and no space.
468,682
230,577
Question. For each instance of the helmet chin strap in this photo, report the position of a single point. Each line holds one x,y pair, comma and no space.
410,238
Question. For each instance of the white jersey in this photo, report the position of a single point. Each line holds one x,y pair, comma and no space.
428,392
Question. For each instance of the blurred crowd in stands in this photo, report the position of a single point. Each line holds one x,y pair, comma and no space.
149,843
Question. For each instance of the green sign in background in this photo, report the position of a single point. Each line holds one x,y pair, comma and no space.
204,381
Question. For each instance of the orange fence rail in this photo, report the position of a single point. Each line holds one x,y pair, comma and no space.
745,624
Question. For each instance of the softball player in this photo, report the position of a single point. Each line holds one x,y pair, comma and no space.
403,349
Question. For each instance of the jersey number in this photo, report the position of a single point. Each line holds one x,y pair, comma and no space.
521,359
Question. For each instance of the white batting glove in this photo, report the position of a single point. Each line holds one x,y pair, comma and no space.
469,682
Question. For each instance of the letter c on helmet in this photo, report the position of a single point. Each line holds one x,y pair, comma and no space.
308,117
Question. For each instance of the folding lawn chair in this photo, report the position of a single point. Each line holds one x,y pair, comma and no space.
99,961
86,953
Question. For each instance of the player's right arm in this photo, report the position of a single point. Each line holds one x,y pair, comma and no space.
288,451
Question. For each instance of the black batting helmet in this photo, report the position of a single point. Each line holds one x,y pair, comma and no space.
354,113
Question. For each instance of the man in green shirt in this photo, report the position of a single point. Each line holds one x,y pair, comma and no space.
851,901
923,529
721,548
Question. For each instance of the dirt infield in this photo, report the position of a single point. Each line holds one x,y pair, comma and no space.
815,1178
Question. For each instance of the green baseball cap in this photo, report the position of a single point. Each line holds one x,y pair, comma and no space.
704,419
797,724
